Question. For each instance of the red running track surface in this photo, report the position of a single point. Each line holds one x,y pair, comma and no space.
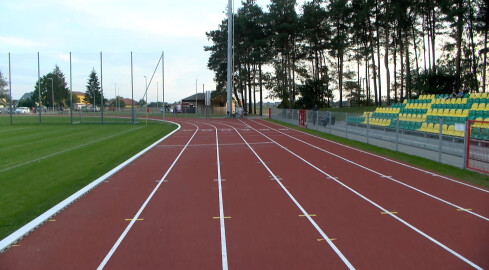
282,192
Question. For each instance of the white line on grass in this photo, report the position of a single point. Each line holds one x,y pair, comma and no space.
393,161
136,216
304,212
29,227
376,205
67,150
384,176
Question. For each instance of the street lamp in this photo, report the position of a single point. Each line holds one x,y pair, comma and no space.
52,91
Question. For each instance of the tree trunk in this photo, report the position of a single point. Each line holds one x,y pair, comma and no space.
424,43
459,45
374,68
254,89
485,58
433,36
261,86
386,61
340,79
401,52
415,49
395,71
408,66
250,101
472,43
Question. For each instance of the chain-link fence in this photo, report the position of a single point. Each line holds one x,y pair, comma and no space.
402,136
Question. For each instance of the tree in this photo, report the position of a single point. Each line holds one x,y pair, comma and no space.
93,94
53,86
3,87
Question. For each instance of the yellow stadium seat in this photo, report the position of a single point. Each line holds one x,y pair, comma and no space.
482,106
446,112
465,100
452,112
486,124
451,130
484,95
423,127
465,113
435,129
404,102
458,112
458,101
475,106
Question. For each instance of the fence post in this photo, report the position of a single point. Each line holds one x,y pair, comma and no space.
346,125
440,138
397,133
368,126
466,144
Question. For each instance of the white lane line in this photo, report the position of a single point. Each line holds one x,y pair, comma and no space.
66,150
378,206
209,144
385,176
304,212
393,161
35,223
129,226
224,255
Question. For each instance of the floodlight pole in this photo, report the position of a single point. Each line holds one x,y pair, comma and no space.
10,87
52,92
132,91
230,48
71,95
163,79
101,90
39,87
146,92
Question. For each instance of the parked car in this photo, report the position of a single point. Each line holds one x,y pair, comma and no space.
22,110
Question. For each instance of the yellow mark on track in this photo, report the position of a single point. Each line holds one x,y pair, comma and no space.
52,220
462,209
130,219
220,217
386,213
16,245
321,239
311,215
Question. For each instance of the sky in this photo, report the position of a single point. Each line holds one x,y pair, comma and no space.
54,28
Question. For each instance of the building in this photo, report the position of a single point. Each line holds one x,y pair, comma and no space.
218,103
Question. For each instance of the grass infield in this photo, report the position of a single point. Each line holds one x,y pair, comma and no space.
41,165
467,176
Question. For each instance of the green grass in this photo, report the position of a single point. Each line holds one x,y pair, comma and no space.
443,169
41,165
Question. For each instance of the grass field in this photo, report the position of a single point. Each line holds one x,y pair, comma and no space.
447,170
40,165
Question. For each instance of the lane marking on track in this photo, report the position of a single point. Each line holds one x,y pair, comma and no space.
16,245
464,210
217,180
52,220
136,216
388,213
382,175
220,217
379,207
224,253
314,224
272,177
384,158
311,215
321,239
138,219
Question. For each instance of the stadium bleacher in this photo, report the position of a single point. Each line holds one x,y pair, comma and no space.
423,115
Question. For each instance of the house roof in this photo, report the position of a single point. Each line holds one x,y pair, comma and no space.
200,97
26,96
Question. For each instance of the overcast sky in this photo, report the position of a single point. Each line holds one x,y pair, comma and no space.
54,28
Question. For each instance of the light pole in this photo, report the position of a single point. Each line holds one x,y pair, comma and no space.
52,91
146,91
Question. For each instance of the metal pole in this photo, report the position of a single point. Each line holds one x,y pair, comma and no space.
146,91
101,91
52,92
466,139
440,138
163,80
115,93
39,86
397,133
229,58
132,91
195,96
10,87
71,95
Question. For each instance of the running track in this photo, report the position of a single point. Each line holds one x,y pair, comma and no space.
232,194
